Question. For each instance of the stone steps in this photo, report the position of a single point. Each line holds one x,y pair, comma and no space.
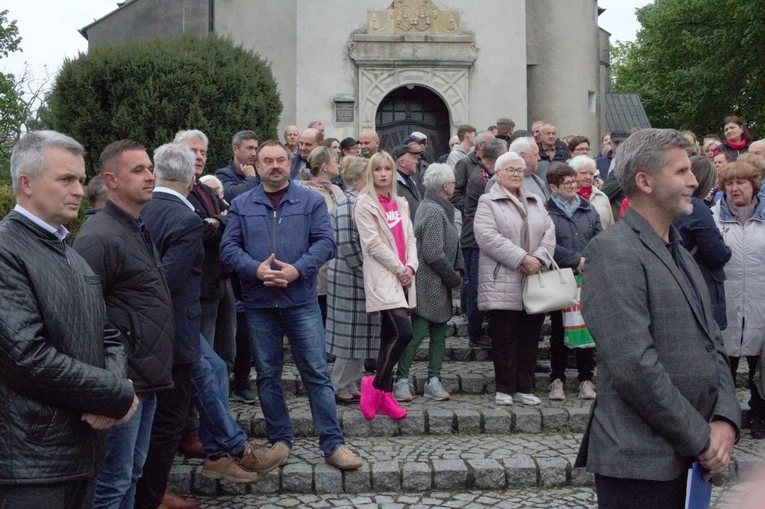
464,414
446,463
457,377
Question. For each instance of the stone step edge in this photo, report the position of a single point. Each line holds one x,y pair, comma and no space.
437,421
520,471
453,384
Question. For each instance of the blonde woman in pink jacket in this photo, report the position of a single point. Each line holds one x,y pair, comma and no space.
390,261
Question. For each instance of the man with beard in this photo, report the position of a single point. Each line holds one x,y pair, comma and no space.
240,175
665,394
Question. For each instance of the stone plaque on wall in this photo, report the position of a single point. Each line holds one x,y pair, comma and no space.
344,112
412,17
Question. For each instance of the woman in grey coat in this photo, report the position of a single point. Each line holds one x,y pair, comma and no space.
440,271
352,334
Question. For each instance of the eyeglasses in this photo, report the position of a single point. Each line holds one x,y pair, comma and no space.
512,171
568,183
583,150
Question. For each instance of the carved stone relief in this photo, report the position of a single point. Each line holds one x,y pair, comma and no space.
414,17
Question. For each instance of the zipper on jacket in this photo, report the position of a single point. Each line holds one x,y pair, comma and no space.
273,234
496,270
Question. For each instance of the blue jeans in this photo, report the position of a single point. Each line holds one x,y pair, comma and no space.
219,431
303,327
474,315
126,449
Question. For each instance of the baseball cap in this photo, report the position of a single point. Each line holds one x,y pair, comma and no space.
348,143
403,149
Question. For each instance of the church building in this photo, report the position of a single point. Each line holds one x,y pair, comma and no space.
405,65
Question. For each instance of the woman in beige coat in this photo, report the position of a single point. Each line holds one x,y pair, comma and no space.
323,165
585,169
390,261
516,238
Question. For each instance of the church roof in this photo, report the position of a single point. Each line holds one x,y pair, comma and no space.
625,111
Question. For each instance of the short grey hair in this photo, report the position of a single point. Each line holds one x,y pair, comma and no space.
494,148
507,157
645,151
174,162
191,134
522,145
438,175
211,181
579,162
30,154
482,137
241,136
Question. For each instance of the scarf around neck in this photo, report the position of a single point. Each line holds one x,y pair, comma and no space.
585,192
568,207
743,213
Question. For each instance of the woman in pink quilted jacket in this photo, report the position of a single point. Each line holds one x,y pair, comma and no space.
516,238
390,262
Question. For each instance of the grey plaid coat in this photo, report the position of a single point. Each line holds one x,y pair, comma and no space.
352,333
440,256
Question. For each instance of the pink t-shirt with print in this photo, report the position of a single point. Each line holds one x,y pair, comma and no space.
395,224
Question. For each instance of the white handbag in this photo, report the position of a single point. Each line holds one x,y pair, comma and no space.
551,290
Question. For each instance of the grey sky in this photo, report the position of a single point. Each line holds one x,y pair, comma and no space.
49,28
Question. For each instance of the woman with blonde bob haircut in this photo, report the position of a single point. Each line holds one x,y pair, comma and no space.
389,250
740,216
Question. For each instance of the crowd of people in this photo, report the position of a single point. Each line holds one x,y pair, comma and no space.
178,281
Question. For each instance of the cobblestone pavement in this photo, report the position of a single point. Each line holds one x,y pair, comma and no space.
455,463
729,497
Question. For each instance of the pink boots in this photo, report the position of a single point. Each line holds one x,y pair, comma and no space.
370,398
375,402
390,407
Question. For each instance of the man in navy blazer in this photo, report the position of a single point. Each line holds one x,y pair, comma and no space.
665,393
176,231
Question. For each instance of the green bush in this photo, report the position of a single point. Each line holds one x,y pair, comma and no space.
148,90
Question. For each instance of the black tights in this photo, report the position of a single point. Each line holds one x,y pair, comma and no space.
395,335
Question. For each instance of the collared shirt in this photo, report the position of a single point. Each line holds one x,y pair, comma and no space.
61,233
674,249
172,192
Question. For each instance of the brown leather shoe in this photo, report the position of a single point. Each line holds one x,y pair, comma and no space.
228,468
263,460
343,459
191,446
173,501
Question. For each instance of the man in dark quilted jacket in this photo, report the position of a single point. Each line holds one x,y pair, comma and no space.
118,248
61,379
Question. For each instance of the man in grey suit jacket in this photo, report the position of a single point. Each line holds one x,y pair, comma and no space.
665,394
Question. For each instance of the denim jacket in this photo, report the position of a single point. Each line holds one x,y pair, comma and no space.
298,232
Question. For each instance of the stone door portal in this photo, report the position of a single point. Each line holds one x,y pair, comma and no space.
413,108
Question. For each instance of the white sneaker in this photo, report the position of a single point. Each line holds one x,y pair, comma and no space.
402,391
434,390
556,390
586,390
526,399
503,399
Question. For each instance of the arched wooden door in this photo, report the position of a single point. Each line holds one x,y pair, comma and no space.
413,109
